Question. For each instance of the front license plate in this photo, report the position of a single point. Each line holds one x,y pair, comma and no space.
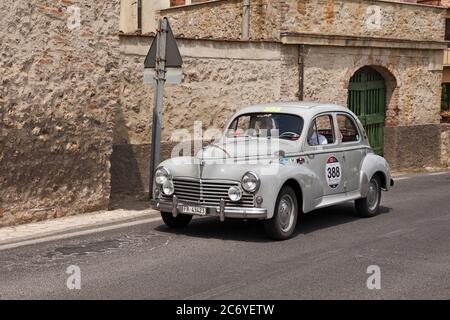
196,210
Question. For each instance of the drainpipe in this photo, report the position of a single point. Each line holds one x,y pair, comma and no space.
301,63
139,16
246,20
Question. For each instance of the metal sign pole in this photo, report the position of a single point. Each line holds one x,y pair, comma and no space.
158,100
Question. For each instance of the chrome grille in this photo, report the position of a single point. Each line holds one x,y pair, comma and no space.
209,192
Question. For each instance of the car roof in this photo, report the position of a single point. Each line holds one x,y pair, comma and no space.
301,108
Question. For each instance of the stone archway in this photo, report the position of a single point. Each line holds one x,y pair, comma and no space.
370,92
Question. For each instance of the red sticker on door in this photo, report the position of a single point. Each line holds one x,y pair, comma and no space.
333,172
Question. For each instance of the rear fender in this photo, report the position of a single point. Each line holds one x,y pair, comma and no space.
371,165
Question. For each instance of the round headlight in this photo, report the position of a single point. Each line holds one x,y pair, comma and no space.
250,182
162,175
168,188
235,194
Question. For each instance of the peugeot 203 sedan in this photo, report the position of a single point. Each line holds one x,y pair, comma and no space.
273,163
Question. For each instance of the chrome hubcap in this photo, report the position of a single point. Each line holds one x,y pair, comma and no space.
372,196
286,213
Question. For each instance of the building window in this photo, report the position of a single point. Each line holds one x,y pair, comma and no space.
175,3
139,16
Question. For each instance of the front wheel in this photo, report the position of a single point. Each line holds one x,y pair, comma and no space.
370,205
181,220
282,225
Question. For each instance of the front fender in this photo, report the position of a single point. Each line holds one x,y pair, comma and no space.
307,181
372,164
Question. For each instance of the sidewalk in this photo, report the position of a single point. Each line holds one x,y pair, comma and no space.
11,237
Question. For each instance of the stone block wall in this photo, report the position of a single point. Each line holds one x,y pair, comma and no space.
58,96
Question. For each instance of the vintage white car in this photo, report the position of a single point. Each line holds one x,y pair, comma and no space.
274,162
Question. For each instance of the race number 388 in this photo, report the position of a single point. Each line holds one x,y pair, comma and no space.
333,172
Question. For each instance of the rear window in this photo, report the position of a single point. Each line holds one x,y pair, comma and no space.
347,128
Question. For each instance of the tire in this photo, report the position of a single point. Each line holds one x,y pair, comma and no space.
370,205
182,220
282,225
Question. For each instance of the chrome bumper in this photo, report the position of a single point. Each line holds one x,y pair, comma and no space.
221,211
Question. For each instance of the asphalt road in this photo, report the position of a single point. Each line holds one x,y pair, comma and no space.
327,258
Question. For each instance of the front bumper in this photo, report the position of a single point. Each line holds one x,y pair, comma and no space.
221,211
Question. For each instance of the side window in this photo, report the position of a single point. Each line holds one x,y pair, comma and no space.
347,128
321,131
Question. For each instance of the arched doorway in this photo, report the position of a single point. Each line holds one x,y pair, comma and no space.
367,99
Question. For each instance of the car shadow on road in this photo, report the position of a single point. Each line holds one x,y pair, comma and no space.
253,230
330,217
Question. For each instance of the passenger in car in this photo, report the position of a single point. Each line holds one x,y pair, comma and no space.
316,138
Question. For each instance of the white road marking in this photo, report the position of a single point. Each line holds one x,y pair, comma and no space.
395,233
437,173
401,178
406,177
76,234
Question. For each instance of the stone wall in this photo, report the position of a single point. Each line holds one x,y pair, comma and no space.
58,95
129,15
75,117
413,76
222,19
219,78
413,147
413,81
445,145
364,18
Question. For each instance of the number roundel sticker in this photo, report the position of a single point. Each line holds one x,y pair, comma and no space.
333,172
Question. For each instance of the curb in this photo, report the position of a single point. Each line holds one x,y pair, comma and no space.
421,171
399,174
68,231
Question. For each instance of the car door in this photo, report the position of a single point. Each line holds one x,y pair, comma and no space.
353,150
323,155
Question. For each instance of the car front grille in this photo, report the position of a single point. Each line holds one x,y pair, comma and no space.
209,192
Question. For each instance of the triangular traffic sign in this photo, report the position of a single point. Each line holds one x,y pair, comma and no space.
173,56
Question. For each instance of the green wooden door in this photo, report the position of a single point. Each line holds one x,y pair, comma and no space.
367,99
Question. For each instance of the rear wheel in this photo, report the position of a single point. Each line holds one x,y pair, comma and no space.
370,205
282,225
181,220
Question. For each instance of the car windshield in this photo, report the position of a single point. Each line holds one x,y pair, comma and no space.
275,125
